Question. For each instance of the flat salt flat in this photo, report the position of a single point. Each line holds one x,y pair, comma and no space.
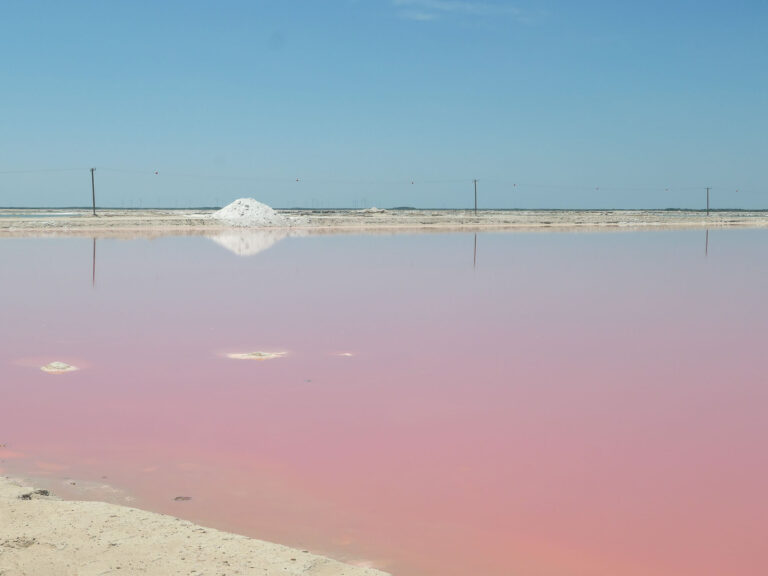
48,222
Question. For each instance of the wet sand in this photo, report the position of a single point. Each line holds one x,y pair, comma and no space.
40,534
53,222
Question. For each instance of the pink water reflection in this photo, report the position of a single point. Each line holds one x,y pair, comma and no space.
577,404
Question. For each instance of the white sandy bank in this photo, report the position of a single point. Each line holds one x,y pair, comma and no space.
41,535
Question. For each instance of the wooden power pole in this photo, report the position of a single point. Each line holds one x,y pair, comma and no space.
707,200
475,196
93,191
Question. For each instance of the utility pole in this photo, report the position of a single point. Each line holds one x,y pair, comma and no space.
708,200
475,196
93,191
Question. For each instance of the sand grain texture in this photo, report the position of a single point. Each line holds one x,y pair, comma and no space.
42,535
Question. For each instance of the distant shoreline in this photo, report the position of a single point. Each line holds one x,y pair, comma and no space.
46,222
393,209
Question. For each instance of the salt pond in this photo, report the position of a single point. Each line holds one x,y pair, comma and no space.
523,403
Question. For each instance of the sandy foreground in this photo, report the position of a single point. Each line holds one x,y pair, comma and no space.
108,222
42,535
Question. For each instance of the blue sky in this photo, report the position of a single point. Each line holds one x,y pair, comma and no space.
385,102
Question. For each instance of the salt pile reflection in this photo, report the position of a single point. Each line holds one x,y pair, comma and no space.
249,243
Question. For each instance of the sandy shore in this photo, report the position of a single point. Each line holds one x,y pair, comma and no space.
40,534
47,222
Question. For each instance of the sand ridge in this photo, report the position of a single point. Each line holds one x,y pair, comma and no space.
40,534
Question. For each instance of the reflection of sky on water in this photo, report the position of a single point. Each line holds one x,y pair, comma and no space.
579,403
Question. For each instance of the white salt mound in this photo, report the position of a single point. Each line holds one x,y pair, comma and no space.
372,210
249,212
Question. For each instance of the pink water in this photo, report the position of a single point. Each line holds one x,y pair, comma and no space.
581,404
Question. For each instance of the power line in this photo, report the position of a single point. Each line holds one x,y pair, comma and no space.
42,170
512,185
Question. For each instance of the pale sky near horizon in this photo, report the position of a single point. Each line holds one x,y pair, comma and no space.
548,103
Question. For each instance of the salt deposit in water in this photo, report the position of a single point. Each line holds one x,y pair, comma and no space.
255,355
58,368
249,212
